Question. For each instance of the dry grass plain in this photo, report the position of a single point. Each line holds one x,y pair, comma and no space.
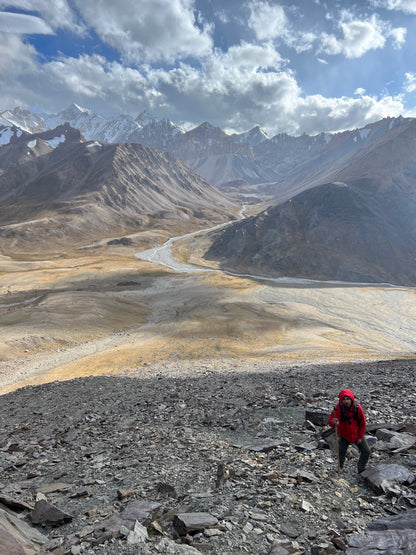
100,310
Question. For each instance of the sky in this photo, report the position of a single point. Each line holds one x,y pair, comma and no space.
301,66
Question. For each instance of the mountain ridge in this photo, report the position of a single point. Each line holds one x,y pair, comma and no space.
251,158
88,188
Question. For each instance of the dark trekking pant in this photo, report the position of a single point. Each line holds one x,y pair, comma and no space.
363,447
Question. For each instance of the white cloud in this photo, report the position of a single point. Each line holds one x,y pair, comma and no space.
18,70
406,6
16,58
410,82
317,113
93,77
358,37
58,13
246,84
149,30
267,21
23,24
399,36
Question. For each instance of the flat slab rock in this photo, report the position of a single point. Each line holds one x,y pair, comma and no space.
387,473
17,537
185,523
401,521
265,445
142,511
386,542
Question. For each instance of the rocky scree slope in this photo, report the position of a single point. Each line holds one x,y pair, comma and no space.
199,459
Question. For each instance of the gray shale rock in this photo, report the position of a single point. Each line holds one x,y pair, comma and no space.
46,514
17,537
388,542
382,476
186,523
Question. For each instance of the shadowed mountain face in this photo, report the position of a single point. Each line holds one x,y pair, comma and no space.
331,232
59,180
360,226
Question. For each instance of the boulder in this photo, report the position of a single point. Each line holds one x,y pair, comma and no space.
48,515
319,418
396,441
387,474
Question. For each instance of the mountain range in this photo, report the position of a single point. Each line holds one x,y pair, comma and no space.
341,206
249,161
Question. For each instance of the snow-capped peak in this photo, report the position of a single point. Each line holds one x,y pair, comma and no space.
253,137
145,117
23,119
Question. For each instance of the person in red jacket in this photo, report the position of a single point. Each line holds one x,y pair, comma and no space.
348,416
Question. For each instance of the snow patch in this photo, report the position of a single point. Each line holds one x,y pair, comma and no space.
32,144
364,133
5,136
56,141
95,143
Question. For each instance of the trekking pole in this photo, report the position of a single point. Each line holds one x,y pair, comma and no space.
337,448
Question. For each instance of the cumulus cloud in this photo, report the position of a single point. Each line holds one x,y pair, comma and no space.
317,113
358,37
18,70
23,24
93,77
267,21
233,88
148,31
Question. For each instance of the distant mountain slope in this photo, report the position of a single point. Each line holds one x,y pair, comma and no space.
330,232
83,188
361,226
382,151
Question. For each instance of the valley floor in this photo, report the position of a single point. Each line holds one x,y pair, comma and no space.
103,311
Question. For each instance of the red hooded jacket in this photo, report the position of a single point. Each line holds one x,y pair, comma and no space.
350,429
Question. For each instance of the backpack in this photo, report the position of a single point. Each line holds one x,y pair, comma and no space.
344,416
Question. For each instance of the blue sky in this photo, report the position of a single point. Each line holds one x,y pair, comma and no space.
289,66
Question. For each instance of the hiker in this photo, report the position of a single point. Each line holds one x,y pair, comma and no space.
348,416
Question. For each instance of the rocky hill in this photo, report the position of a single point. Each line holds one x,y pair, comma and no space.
57,183
358,227
332,232
220,459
